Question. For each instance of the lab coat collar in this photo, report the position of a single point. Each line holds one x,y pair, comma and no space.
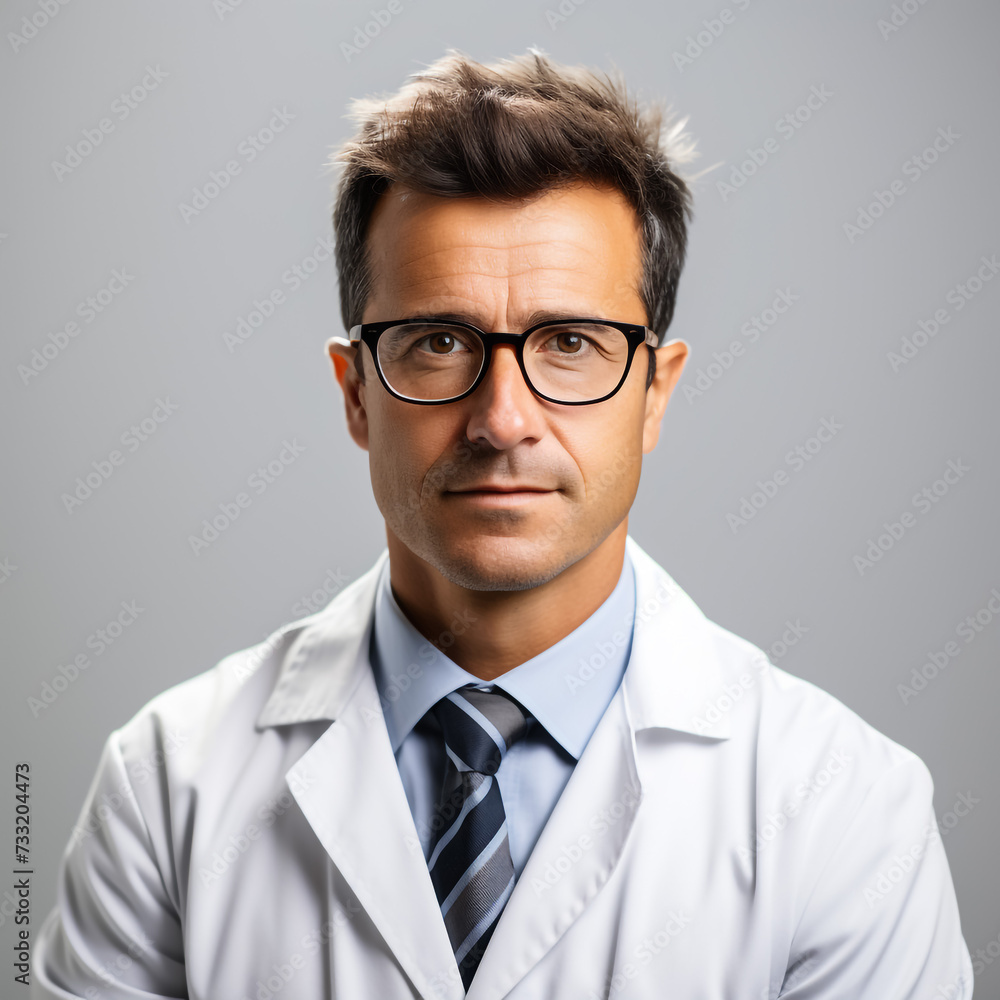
674,671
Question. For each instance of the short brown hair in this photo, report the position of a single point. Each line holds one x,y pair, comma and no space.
510,130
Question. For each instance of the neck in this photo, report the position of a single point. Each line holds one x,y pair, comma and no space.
489,632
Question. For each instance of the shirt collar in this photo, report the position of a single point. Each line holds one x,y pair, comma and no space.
566,687
675,678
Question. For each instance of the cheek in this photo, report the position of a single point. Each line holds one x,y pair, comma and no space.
405,441
608,452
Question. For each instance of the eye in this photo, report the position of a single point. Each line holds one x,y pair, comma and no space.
568,343
442,342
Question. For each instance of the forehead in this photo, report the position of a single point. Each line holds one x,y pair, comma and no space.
577,247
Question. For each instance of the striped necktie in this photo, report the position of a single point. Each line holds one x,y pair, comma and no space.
469,862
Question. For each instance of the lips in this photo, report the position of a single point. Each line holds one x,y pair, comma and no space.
500,488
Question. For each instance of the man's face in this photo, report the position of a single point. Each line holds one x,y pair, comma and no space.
503,490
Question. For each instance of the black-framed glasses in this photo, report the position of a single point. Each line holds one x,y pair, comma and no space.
570,361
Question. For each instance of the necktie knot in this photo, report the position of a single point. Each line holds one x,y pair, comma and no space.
479,727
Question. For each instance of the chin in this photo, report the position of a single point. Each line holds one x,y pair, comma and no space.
491,562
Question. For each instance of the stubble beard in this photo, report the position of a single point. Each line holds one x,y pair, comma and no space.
492,561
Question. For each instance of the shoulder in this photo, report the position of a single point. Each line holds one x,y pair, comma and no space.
289,677
711,682
793,716
808,745
186,721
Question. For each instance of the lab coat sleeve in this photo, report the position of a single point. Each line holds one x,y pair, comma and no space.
881,921
115,932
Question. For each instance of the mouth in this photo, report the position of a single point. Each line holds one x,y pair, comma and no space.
501,488
489,493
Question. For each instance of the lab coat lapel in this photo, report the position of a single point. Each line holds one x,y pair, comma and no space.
348,787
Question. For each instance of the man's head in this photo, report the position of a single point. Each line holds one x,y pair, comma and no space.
502,196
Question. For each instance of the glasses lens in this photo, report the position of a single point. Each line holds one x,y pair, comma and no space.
430,360
576,362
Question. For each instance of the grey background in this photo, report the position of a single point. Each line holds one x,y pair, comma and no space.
826,357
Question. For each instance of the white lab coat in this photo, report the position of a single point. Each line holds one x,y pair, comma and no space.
728,829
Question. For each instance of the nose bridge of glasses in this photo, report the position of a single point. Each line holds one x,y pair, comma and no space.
493,341
506,339
512,342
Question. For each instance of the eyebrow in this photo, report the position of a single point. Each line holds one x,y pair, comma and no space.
538,316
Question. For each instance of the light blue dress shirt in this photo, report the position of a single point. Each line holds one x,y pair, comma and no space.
566,689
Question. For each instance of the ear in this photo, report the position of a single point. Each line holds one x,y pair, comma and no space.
670,360
342,353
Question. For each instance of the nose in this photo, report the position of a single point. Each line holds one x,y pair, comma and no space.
504,411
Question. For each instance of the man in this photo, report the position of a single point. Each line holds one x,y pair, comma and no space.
513,759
